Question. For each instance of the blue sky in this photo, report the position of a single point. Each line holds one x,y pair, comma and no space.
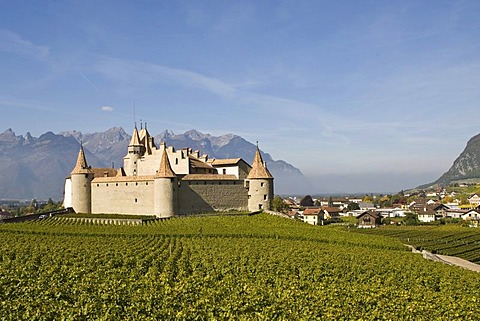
360,95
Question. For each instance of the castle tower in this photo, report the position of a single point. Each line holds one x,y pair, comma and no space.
260,185
135,152
165,189
81,178
146,140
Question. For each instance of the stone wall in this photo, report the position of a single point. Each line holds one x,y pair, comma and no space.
211,195
133,197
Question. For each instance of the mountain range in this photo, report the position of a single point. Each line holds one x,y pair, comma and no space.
32,167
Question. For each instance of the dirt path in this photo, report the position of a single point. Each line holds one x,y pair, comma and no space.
450,260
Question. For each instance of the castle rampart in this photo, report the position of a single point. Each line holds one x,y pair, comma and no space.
166,182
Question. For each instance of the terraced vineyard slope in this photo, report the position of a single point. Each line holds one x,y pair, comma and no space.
258,267
454,240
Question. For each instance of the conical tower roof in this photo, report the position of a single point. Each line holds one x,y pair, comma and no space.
258,168
135,141
144,136
121,172
81,166
165,170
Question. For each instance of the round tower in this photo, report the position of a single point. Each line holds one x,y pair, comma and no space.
260,185
165,189
81,178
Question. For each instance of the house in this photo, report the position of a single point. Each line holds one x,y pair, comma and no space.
455,213
331,213
474,199
440,210
369,219
453,205
426,215
431,212
313,216
419,204
366,206
335,202
471,215
5,214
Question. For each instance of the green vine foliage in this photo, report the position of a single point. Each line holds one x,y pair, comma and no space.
450,239
258,267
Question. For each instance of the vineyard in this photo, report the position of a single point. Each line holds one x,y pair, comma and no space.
257,267
451,240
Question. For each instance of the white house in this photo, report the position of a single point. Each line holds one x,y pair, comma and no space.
474,199
471,215
313,216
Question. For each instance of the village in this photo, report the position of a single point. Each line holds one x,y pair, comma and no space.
373,210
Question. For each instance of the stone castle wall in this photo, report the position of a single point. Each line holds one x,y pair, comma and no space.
123,197
210,195
138,197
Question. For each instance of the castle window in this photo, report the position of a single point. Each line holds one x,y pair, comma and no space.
116,184
260,206
98,185
126,184
107,184
135,163
264,197
249,196
261,184
86,175
135,200
176,161
136,184
146,183
224,171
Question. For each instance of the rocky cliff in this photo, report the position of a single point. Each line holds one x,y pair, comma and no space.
466,166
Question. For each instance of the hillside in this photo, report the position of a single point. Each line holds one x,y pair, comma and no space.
257,267
466,168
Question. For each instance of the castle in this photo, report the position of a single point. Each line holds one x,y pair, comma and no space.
166,182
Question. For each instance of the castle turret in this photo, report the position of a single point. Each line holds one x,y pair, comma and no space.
146,140
260,185
81,178
165,189
135,152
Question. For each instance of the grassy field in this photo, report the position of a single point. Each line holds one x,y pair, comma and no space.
257,267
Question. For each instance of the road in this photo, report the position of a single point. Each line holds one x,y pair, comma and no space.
450,260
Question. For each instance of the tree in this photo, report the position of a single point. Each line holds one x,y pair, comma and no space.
352,206
50,206
411,219
368,198
330,202
279,205
306,201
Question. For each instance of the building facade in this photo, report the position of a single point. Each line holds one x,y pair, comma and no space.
166,182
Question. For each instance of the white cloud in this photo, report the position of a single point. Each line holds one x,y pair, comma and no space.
14,43
107,108
132,73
